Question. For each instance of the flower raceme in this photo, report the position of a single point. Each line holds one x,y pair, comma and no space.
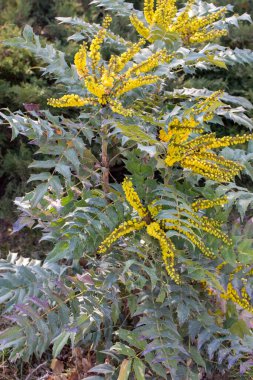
153,229
183,221
232,294
106,82
180,130
169,18
196,154
242,297
243,301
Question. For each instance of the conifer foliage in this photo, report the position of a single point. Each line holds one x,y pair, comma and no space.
146,272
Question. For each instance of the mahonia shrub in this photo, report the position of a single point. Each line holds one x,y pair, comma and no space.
151,267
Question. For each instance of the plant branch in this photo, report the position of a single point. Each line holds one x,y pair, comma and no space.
105,161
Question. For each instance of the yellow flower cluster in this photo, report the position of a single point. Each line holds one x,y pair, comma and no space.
80,61
243,300
149,10
97,42
180,130
188,221
208,105
202,204
184,222
191,236
133,83
166,16
167,248
133,198
197,155
238,269
118,63
220,266
117,107
140,27
71,100
154,209
150,63
124,229
209,227
215,223
107,82
153,229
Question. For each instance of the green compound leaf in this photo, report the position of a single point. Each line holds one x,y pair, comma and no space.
135,133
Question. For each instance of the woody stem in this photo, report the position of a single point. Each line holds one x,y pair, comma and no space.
105,161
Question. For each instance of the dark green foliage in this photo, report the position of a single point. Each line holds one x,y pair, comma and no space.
122,304
21,83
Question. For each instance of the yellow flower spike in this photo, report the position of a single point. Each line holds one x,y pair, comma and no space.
133,198
169,18
183,16
211,103
124,229
154,209
193,238
229,140
149,10
232,166
149,64
208,20
95,88
97,42
106,22
117,107
165,12
243,301
204,223
202,204
106,82
95,47
163,136
180,130
170,11
140,27
221,266
238,269
80,61
159,18
174,155
167,248
71,100
185,222
118,63
200,143
207,36
196,154
207,226
131,84
208,170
